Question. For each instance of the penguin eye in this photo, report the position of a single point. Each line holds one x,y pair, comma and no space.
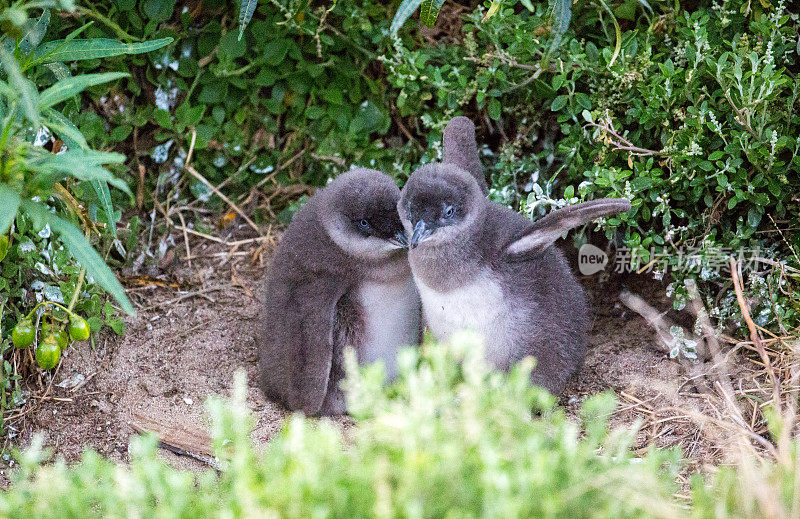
363,226
449,212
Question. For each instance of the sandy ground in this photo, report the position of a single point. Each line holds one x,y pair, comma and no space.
181,348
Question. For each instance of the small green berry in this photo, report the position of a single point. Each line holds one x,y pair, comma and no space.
23,334
78,328
48,353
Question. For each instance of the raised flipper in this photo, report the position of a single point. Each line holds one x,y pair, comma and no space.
461,149
546,231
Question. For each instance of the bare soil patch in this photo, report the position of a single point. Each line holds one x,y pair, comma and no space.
185,345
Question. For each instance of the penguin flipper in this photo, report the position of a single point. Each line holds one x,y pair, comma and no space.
546,231
461,148
313,346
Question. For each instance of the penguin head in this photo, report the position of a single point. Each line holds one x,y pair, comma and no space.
359,213
439,203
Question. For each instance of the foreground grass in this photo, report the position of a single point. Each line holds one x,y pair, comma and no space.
449,439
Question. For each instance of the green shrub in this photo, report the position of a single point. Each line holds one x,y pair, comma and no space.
53,202
449,439
694,119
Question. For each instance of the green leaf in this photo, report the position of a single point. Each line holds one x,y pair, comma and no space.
646,5
125,5
81,164
429,11
618,32
34,36
59,70
7,91
231,47
163,118
494,108
627,10
68,132
3,246
28,95
562,15
67,88
9,203
101,188
706,165
559,103
405,10
754,217
93,48
245,14
158,10
583,101
82,251
494,7
275,51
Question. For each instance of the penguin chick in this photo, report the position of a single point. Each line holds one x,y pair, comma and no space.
461,149
482,266
339,277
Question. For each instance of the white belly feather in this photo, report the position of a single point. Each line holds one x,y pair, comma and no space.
392,321
479,306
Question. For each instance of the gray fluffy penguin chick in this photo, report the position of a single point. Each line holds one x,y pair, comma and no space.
340,276
461,149
479,265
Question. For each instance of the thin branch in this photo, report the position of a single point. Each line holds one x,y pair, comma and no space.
762,352
227,200
621,143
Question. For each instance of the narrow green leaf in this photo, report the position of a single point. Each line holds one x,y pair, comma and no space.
429,11
81,164
93,48
69,87
7,91
405,10
101,188
34,36
245,14
59,70
25,89
562,14
618,32
9,203
82,251
68,132
494,7
3,247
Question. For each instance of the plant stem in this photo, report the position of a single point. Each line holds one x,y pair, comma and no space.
111,24
77,290
49,303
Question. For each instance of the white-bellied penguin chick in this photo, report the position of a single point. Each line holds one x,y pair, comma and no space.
479,265
340,276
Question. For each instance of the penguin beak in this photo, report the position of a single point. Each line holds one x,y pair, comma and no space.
400,240
421,232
